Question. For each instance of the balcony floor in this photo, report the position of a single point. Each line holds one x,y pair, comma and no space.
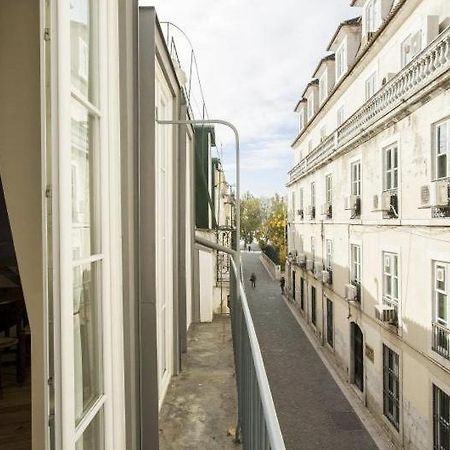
201,403
312,410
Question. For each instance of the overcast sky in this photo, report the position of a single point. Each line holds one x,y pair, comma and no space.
255,58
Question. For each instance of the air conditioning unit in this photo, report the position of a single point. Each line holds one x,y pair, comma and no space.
351,292
353,204
318,269
301,259
389,203
440,193
309,264
388,77
327,276
385,313
326,210
300,213
425,197
311,211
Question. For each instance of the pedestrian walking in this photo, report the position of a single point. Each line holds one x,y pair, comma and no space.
282,284
249,248
253,280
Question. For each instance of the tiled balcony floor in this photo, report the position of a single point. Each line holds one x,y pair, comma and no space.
201,403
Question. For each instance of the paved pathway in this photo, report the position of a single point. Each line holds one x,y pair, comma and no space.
312,410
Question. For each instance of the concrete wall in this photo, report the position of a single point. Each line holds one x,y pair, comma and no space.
20,171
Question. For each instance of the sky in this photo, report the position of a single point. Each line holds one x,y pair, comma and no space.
255,58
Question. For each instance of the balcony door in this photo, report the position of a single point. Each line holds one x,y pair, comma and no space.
357,356
86,220
164,241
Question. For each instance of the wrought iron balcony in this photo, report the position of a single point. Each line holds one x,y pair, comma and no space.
441,340
413,83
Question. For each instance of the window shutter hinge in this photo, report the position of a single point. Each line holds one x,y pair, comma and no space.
46,34
48,192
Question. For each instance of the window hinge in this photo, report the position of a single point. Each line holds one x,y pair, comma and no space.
48,192
46,34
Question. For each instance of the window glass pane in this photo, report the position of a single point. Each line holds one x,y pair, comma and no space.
87,345
442,308
84,47
84,161
442,166
92,438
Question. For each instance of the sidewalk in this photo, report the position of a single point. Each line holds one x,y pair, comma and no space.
312,410
201,403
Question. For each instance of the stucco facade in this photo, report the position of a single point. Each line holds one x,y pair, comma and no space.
369,235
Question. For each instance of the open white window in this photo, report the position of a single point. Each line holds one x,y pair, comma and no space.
390,164
371,15
329,188
355,263
441,314
442,150
355,178
329,253
323,89
390,279
341,65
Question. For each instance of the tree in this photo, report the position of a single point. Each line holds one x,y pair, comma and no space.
273,229
251,217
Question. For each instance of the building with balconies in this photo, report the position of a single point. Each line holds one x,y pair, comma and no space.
369,213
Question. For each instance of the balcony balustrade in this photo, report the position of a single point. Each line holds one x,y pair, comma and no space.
441,340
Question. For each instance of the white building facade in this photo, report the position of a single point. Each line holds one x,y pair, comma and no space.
369,213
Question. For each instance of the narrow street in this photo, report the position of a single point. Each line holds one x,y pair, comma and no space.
312,410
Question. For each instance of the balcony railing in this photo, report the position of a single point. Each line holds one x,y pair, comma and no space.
441,340
258,425
424,69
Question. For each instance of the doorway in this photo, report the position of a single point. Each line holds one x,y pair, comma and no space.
357,356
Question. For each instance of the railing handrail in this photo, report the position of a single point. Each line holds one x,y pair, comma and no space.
270,414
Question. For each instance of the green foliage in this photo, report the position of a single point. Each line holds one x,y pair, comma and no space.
251,217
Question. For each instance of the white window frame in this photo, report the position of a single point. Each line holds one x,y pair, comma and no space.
323,87
313,248
371,16
391,279
329,188
300,198
340,116
441,271
355,263
408,56
371,86
439,152
355,181
329,253
313,193
340,58
391,173
301,120
310,105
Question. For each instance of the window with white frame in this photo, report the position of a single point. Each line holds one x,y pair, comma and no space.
371,16
313,248
313,194
323,132
355,177
311,106
300,198
329,253
371,85
411,47
442,150
441,294
329,189
355,263
323,87
340,61
340,116
390,279
390,158
441,419
293,202
301,120
441,325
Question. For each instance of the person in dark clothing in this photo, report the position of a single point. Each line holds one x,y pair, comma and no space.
253,279
249,248
282,284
